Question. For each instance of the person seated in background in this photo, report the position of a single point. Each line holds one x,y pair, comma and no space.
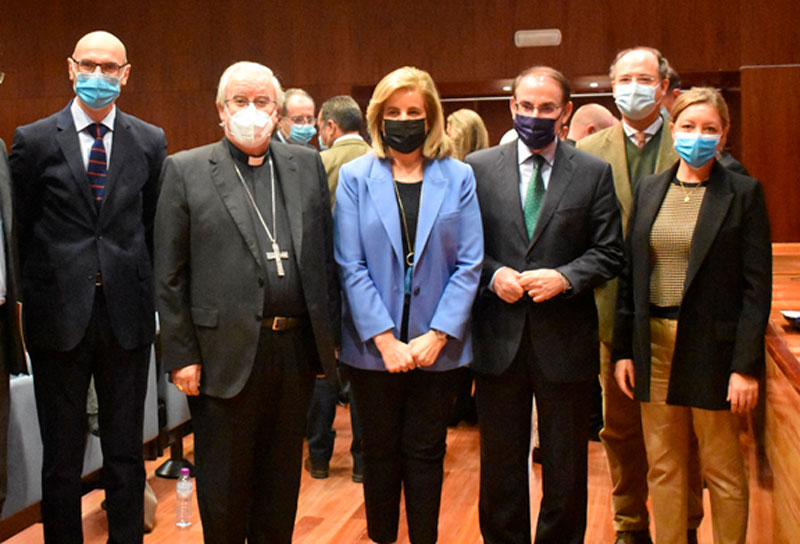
467,132
297,120
694,300
587,120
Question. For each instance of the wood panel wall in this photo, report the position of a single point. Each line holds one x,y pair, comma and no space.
178,49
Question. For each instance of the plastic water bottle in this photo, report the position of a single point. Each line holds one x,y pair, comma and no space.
183,499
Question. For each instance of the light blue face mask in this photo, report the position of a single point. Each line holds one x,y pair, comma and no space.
96,90
635,101
696,149
301,134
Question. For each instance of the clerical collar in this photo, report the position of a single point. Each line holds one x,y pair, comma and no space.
243,158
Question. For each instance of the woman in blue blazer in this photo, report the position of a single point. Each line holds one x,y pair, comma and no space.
409,245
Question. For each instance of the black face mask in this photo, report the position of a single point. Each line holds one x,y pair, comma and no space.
404,136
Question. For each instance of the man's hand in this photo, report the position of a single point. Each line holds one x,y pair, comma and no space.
396,354
623,373
506,285
742,393
187,379
543,283
425,348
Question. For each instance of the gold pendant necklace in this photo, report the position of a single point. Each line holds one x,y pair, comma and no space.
687,196
410,254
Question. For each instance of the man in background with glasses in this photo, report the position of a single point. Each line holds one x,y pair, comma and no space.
85,182
297,123
12,356
248,300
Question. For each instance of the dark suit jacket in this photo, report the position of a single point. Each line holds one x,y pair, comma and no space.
12,355
726,297
209,279
64,240
578,233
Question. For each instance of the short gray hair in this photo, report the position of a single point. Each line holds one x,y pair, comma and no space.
244,66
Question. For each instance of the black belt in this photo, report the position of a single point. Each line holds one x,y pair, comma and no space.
278,323
665,312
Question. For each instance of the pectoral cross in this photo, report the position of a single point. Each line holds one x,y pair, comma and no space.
276,255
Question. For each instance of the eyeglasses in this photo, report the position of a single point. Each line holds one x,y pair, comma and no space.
260,102
546,109
642,79
86,66
302,120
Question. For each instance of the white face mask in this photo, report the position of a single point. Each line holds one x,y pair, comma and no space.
250,127
634,100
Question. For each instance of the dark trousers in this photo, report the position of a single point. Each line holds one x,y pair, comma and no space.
404,421
504,417
320,432
248,449
61,381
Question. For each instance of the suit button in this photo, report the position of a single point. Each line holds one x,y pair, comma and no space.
261,282
416,291
90,277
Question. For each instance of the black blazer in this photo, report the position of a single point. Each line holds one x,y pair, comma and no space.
726,297
64,241
209,278
12,355
578,233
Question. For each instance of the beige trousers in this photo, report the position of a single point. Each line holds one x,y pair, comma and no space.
669,432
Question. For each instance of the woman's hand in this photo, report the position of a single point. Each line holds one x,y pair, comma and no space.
426,347
396,354
742,393
187,379
623,373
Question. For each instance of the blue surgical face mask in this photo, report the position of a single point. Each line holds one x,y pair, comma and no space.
635,101
301,134
696,149
96,90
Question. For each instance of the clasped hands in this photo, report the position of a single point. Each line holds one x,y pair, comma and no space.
401,357
540,284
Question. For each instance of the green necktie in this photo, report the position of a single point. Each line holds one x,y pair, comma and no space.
534,195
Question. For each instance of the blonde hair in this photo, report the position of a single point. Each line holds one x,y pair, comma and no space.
437,144
701,95
467,132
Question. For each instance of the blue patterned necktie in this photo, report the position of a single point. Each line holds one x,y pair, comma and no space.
534,195
98,165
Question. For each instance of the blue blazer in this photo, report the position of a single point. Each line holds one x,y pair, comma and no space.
369,252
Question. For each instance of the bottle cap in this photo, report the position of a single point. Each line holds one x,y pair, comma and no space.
185,471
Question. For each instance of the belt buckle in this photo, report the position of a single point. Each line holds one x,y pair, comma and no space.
278,323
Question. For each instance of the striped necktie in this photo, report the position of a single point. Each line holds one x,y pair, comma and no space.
534,195
98,165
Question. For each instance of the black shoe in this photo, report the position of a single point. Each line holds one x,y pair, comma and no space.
318,473
358,477
691,536
633,537
536,456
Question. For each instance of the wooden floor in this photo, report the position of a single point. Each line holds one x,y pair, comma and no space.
331,511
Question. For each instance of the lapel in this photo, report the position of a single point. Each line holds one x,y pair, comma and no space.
67,140
120,150
229,187
434,187
560,178
5,194
614,153
292,188
713,210
506,187
667,156
380,188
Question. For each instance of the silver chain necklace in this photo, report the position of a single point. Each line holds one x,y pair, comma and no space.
276,254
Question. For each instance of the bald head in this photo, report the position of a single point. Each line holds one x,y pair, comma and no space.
100,40
588,119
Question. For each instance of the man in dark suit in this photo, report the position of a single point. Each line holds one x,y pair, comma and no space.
85,182
249,306
12,355
552,233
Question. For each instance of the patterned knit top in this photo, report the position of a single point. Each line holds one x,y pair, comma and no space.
670,241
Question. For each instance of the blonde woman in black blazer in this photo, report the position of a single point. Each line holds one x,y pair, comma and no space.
694,303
